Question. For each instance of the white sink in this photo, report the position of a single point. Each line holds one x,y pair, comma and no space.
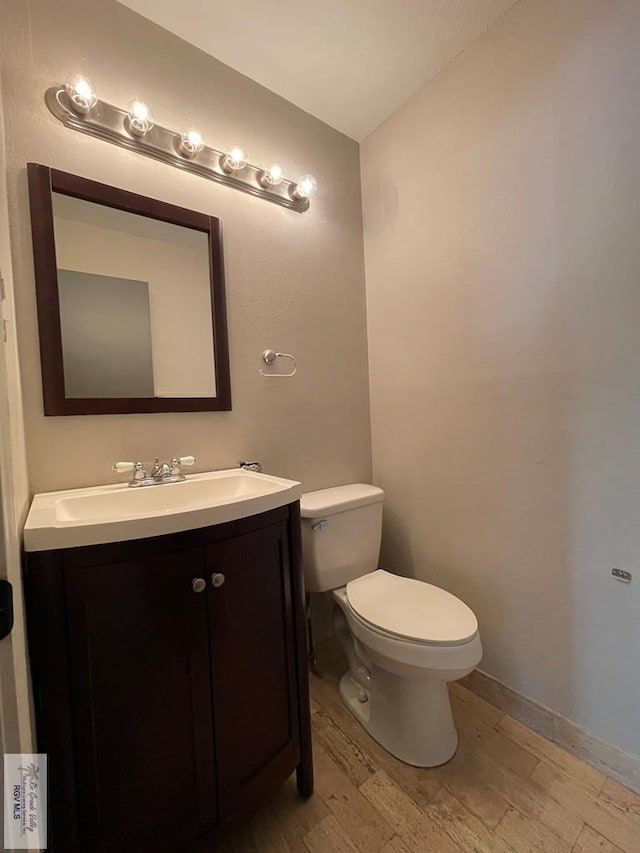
116,513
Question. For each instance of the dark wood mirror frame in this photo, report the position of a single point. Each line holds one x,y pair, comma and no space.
43,181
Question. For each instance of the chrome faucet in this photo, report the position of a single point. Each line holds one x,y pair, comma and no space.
162,472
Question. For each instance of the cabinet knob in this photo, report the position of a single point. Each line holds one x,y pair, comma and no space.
217,579
198,584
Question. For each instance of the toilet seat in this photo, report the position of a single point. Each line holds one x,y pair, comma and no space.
406,655
411,610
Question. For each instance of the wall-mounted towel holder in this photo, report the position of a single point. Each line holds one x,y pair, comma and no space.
269,356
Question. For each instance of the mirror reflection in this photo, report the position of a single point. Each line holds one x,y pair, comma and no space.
135,304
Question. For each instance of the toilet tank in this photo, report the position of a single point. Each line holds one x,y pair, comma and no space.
341,532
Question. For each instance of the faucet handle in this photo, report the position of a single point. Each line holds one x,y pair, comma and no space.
178,461
187,460
125,467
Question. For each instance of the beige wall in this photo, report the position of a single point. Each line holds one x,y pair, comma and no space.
15,715
502,217
294,283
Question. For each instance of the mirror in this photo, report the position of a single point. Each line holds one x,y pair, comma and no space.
131,307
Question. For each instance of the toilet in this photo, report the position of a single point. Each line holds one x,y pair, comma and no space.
404,638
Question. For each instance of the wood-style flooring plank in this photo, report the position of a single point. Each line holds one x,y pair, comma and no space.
365,827
466,779
529,798
473,705
262,833
477,736
329,837
588,777
416,829
338,740
621,798
266,833
468,832
590,841
296,815
396,845
528,836
618,826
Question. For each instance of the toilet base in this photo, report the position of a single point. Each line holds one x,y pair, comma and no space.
410,718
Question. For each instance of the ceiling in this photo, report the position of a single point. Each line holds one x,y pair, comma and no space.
350,63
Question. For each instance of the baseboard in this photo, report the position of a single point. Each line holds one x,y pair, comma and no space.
622,766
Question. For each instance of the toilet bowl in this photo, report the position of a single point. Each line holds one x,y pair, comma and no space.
404,638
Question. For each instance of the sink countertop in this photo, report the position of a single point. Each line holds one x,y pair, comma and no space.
116,513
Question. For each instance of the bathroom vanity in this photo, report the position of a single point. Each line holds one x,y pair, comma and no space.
169,671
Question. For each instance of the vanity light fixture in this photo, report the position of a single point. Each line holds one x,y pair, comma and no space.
77,106
234,160
139,118
271,177
82,96
305,187
191,143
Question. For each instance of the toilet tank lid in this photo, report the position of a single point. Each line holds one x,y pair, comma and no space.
339,499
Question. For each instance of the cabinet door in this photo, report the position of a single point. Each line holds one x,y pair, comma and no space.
141,702
253,668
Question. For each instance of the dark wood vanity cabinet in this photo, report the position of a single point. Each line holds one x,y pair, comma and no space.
166,708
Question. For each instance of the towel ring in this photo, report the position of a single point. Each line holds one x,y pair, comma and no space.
269,356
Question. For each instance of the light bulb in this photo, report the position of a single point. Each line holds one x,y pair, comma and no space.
81,94
271,177
305,187
234,160
191,142
139,118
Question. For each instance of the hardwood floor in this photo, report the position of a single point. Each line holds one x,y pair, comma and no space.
507,790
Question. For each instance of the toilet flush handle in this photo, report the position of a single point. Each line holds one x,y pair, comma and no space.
320,525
